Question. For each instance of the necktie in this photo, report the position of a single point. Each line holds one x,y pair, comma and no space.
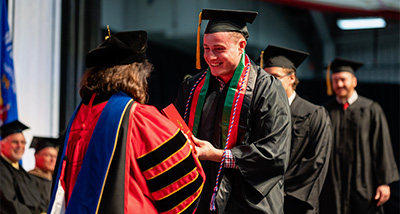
345,106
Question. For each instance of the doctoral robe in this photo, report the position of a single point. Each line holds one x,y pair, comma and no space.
262,144
136,161
362,158
309,156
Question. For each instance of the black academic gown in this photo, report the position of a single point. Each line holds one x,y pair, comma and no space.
262,146
362,158
18,192
309,156
43,185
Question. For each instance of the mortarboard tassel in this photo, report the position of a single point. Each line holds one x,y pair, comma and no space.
198,65
328,81
108,28
262,59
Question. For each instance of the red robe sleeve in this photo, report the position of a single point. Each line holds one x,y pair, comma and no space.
161,165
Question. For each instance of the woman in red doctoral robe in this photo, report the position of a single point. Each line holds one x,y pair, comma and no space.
119,155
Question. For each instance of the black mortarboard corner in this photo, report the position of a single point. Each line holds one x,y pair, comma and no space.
340,65
39,143
275,56
221,20
119,49
11,128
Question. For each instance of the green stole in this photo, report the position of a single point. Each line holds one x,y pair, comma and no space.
232,105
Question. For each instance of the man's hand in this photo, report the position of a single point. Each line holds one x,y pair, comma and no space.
206,151
382,194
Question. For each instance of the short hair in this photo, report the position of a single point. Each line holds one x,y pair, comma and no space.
237,35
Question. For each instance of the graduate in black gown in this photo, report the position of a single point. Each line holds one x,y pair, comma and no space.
362,162
46,150
311,134
249,132
18,192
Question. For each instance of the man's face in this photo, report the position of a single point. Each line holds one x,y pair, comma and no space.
46,159
343,84
13,146
222,52
287,79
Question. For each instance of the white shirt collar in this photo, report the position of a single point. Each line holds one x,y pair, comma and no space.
350,100
291,98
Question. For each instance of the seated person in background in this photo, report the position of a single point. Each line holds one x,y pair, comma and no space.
18,192
46,150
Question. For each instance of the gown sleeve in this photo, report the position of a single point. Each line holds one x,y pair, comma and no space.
308,176
385,165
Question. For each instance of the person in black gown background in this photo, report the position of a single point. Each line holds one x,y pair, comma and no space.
362,163
46,150
311,134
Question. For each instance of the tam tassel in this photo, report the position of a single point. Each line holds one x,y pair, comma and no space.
198,65
262,59
328,81
108,28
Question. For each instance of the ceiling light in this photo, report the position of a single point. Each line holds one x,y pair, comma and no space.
361,23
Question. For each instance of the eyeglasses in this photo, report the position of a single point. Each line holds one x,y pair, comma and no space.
47,155
281,77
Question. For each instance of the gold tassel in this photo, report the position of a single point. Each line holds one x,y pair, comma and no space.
328,81
108,28
198,65
262,59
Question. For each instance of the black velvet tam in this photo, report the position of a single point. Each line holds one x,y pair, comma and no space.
119,49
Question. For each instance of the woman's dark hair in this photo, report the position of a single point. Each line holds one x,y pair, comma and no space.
106,81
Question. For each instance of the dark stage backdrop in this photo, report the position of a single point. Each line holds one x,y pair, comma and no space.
170,68
80,32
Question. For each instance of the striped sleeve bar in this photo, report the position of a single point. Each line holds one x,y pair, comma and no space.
172,175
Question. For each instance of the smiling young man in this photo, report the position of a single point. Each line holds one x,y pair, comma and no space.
362,163
311,134
18,192
241,119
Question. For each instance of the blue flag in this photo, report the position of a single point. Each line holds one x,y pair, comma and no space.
8,98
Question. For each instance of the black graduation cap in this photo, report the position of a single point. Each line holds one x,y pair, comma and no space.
222,20
11,128
275,56
342,64
119,49
39,143
339,65
228,20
